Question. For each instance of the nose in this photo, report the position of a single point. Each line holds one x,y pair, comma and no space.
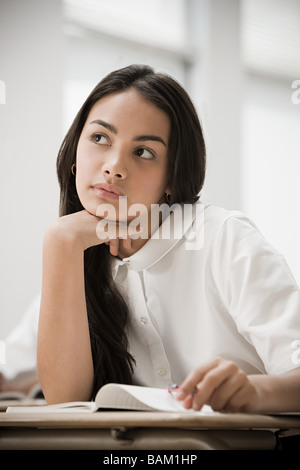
114,169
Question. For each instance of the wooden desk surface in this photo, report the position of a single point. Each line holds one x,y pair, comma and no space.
135,430
148,419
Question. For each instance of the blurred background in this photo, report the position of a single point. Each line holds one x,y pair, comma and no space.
238,59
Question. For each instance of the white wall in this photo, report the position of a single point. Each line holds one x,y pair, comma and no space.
216,85
30,133
271,164
270,158
84,47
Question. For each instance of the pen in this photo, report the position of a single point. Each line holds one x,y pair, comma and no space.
172,389
175,390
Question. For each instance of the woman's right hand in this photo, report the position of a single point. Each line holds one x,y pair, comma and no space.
85,230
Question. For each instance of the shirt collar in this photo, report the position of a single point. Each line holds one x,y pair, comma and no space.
173,228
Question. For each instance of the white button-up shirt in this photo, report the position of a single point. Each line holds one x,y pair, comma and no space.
216,289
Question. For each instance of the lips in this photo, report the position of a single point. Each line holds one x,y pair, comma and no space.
106,190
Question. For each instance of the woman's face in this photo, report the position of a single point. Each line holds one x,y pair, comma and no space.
123,151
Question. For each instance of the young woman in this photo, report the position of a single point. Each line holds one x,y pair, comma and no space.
211,306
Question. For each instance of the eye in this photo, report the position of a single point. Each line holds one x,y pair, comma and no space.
100,139
144,153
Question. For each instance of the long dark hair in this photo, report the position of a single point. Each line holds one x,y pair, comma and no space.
107,310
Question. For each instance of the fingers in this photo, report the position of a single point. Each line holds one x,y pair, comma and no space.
194,378
218,383
116,234
211,379
228,395
114,247
126,243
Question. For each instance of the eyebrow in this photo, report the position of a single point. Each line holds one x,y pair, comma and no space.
155,138
140,138
108,126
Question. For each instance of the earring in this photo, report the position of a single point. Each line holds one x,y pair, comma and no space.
168,198
73,169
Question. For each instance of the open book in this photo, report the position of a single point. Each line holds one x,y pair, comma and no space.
23,387
117,397
34,393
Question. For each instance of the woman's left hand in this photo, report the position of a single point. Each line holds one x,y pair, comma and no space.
220,384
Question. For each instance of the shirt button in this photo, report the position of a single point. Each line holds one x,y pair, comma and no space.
162,372
144,320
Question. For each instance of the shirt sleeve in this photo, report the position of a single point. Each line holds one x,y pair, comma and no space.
261,294
21,343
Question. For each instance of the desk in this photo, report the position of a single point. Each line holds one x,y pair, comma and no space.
136,430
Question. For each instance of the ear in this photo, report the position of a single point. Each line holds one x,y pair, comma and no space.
168,190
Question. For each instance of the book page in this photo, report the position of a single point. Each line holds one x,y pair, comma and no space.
83,406
135,397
